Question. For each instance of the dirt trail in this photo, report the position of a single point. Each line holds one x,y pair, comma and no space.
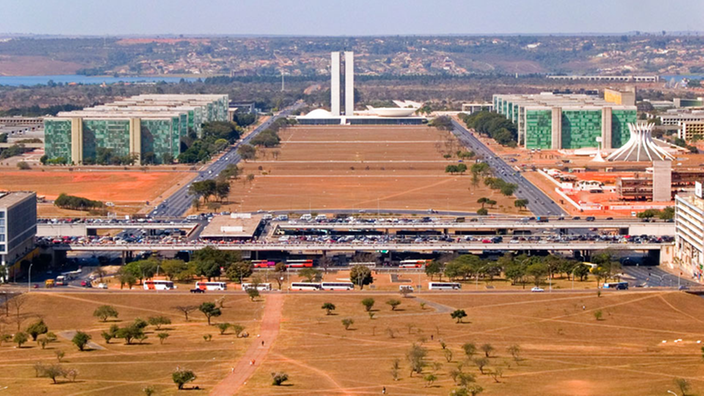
271,318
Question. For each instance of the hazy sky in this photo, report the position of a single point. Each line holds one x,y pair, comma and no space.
348,17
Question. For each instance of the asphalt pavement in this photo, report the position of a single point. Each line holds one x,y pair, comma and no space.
179,202
538,202
651,276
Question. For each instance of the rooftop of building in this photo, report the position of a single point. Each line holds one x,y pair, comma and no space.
10,198
549,99
146,106
236,225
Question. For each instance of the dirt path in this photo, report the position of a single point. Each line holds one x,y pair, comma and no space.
271,318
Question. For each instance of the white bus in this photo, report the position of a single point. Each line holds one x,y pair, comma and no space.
444,286
305,286
369,264
211,285
158,285
337,286
260,286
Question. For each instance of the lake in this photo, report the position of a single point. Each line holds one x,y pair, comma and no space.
16,81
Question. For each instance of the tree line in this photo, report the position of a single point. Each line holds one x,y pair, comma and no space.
522,269
494,125
72,202
216,136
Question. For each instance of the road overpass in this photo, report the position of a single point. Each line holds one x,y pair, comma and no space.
630,227
347,247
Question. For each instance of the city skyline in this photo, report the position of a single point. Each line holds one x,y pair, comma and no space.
362,18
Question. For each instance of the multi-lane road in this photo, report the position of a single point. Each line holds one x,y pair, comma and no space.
538,202
179,202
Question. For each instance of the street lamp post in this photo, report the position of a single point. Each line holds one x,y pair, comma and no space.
29,278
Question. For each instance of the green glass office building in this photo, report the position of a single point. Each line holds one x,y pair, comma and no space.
147,126
554,121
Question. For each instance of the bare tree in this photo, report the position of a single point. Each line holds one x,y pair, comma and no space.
15,304
186,309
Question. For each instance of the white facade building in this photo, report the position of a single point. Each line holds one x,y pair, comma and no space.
689,233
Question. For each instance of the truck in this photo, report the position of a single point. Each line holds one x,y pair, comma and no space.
541,219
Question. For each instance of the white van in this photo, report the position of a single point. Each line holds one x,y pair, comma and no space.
321,217
306,217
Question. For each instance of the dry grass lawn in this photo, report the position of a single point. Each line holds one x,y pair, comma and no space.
122,369
360,167
564,349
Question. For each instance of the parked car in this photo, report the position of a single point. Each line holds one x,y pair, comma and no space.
537,289
102,286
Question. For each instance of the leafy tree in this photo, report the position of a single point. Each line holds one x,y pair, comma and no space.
368,303
42,342
239,270
482,212
59,355
360,275
481,363
247,152
448,354
416,358
172,268
209,310
223,327
277,379
520,203
429,379
23,166
347,322
515,352
182,377
598,314
237,329
81,339
538,271
433,268
469,349
52,371
36,329
162,337
253,293
159,321
458,314
310,274
130,332
487,349
393,303
328,307
110,334
20,338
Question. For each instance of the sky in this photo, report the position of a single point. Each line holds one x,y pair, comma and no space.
348,17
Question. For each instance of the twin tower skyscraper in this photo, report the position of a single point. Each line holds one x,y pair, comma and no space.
335,95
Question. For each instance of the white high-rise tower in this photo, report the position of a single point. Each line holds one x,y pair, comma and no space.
349,83
335,83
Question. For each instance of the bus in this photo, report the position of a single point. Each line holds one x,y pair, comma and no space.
264,264
260,286
61,281
413,263
337,286
211,285
444,286
616,285
159,285
369,264
299,263
305,286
